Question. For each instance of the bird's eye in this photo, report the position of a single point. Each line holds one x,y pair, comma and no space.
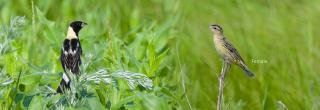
214,28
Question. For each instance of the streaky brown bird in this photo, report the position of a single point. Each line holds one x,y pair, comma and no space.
229,54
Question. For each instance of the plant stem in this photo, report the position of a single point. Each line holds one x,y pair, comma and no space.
182,78
225,69
16,90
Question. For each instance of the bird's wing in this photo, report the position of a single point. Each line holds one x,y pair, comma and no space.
233,51
76,55
79,53
64,52
63,60
70,55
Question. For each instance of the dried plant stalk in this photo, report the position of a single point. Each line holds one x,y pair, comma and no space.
225,69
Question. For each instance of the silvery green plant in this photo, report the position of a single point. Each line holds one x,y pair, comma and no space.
73,96
133,79
4,79
7,34
10,32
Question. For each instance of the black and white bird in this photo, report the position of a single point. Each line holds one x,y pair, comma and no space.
71,52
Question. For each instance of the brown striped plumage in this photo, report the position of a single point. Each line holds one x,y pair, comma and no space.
229,54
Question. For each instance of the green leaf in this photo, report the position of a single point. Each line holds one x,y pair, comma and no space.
168,92
151,57
37,103
101,97
18,97
30,79
95,104
123,102
159,59
27,100
30,82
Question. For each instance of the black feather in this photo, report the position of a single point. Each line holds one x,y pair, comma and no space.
70,59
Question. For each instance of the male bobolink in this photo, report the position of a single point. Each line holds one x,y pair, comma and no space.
229,54
71,52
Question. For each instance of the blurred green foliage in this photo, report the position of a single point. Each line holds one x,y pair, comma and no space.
170,42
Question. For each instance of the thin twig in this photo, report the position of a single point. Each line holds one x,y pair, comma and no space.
222,77
33,16
182,78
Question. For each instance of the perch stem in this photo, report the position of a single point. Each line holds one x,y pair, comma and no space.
223,74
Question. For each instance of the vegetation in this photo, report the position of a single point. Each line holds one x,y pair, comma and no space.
159,54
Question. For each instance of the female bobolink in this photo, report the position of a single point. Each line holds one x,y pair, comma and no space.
71,52
229,54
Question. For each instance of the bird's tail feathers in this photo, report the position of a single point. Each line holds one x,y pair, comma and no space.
64,83
246,70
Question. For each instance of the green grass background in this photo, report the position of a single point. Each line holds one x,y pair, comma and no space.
170,42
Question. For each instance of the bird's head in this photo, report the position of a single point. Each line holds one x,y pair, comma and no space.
216,29
77,25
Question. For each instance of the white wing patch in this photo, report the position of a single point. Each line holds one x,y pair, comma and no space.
75,51
65,52
65,78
